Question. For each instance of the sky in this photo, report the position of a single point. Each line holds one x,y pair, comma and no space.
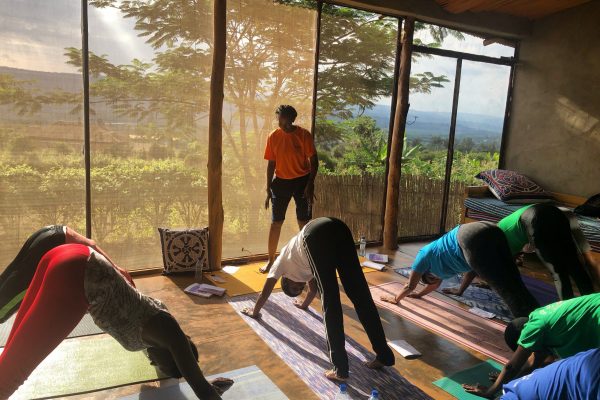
34,33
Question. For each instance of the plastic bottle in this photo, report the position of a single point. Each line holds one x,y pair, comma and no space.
343,393
374,395
362,251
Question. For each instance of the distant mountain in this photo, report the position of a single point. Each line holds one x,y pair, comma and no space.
430,123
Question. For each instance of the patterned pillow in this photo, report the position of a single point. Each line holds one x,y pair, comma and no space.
512,187
184,250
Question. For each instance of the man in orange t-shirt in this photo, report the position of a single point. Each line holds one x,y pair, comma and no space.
291,172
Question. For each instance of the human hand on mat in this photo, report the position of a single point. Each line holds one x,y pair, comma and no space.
389,299
250,312
476,389
493,376
221,385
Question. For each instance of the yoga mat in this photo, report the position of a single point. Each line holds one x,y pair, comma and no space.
86,327
246,279
298,338
477,374
85,365
450,321
543,292
250,384
485,299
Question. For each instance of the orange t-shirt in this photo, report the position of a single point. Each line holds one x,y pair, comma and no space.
291,152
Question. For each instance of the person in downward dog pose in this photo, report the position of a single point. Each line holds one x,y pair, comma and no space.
16,278
475,248
73,279
322,248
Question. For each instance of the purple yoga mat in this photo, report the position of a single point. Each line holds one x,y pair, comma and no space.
543,292
298,338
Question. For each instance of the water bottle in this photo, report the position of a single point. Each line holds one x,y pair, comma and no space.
343,393
362,250
374,395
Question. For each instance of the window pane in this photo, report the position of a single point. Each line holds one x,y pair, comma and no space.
41,134
356,67
426,146
270,59
436,36
479,123
150,71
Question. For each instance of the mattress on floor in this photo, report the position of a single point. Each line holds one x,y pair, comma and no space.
493,210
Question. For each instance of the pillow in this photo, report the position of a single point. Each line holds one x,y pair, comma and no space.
184,249
512,187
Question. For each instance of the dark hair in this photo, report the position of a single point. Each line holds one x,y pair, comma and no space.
164,361
291,288
287,111
513,332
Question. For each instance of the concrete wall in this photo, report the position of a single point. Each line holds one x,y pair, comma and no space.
554,132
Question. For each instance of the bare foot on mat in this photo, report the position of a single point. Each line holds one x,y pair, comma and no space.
222,385
334,377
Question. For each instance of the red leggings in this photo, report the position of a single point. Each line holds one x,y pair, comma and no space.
54,304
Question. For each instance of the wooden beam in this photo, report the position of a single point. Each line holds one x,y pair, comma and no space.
215,136
390,227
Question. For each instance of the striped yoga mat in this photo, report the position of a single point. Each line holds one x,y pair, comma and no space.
448,320
298,338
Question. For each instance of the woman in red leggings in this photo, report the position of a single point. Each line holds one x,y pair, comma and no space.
73,279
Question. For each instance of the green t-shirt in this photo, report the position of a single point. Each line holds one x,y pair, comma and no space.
514,231
565,328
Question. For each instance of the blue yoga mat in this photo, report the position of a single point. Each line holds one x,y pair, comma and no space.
250,383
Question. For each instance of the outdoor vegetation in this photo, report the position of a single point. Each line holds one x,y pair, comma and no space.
149,132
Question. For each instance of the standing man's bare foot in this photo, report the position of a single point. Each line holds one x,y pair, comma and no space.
265,268
374,364
334,377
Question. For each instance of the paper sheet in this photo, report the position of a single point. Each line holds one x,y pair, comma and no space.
374,265
404,349
230,269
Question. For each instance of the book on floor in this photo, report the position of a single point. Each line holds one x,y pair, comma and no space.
195,289
380,258
404,349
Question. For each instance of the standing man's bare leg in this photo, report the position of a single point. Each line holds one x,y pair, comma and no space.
274,233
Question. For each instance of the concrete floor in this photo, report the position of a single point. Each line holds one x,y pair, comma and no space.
226,342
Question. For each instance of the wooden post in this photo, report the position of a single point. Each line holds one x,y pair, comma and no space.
215,136
390,226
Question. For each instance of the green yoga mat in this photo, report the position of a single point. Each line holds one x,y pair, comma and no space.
477,374
85,327
85,365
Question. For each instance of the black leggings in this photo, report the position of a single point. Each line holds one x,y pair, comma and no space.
330,248
487,252
549,231
16,278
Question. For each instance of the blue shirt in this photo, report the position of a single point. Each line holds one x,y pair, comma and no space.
573,378
443,257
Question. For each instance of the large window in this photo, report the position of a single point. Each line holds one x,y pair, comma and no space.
270,61
355,83
41,141
150,65
149,72
431,193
